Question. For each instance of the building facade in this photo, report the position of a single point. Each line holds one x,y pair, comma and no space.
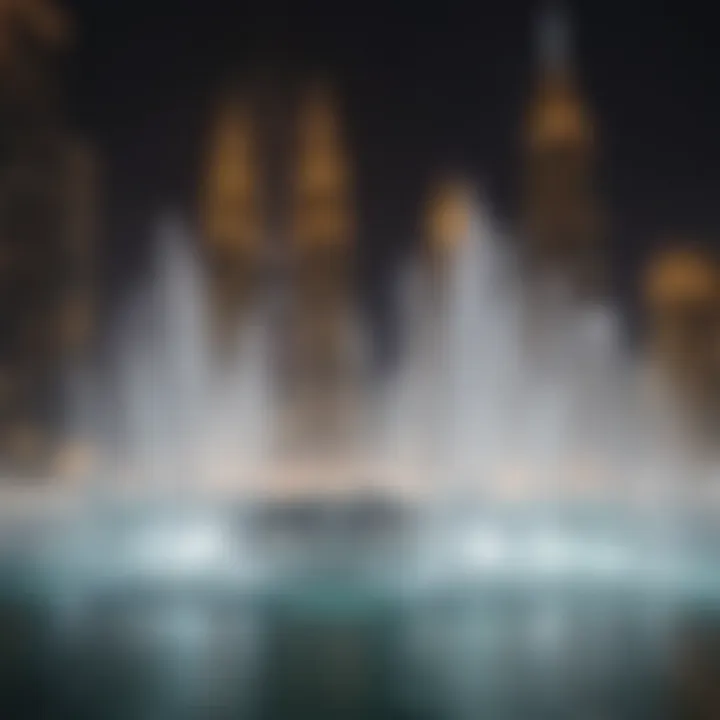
232,214
681,303
278,219
562,223
48,222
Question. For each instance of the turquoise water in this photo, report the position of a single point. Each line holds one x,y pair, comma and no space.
346,633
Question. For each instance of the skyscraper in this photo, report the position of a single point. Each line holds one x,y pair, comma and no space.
232,219
561,215
47,189
322,287
321,212
276,208
448,217
447,225
681,294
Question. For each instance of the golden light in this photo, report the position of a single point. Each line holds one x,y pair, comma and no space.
448,219
42,20
559,116
230,188
321,182
679,275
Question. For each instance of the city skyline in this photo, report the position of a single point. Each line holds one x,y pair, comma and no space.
290,137
450,94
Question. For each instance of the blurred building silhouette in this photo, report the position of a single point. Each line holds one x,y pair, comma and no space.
322,234
277,205
447,220
232,211
447,225
47,226
561,215
681,294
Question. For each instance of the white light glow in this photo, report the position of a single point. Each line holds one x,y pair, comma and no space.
183,548
486,548
551,553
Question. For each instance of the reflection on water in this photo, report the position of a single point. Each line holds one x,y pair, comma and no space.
361,625
519,606
164,656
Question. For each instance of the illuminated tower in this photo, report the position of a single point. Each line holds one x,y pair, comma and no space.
322,250
681,294
47,197
447,220
231,217
561,215
31,32
322,213
447,225
447,239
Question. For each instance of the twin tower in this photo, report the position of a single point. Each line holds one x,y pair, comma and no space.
278,192
278,182
276,210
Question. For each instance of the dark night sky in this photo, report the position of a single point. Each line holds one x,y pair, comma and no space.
425,89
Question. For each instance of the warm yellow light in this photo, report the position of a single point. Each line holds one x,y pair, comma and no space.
75,459
680,275
448,220
322,213
559,116
230,188
43,20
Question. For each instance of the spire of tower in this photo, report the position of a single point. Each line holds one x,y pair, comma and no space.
230,199
554,38
562,211
448,215
321,184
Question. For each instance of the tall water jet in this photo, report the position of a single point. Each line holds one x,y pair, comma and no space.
189,421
